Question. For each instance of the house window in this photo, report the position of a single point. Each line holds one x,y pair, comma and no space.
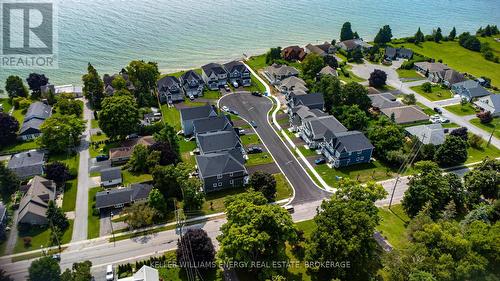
214,185
219,184
219,177
231,181
231,174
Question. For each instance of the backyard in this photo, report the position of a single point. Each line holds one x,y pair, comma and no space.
437,93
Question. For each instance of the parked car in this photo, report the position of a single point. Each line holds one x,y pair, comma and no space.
320,161
234,112
56,257
226,87
191,97
100,158
241,132
438,110
289,209
110,275
225,108
438,119
253,124
132,136
257,94
254,150
235,84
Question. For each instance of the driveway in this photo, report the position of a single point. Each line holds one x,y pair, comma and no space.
255,109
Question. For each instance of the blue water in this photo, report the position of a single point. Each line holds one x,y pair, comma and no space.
181,34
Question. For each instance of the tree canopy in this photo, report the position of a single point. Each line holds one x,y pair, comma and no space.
35,82
60,132
119,116
144,76
67,106
80,271
352,117
484,180
9,182
15,87
43,269
384,35
385,136
273,55
331,89
168,179
9,126
198,247
346,32
377,78
419,37
312,65
264,182
93,87
356,94
193,196
452,152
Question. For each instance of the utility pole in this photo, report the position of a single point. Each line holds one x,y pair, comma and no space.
112,231
492,132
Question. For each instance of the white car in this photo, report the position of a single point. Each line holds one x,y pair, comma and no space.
225,108
110,275
438,119
235,84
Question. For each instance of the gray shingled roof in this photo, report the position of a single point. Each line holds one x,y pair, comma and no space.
428,134
212,124
217,141
193,113
281,70
382,102
111,174
349,141
40,192
214,164
473,87
319,126
38,110
213,67
27,164
190,75
112,197
235,65
33,124
308,100
167,82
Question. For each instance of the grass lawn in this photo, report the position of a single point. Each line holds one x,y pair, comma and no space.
409,74
209,94
259,159
72,161
69,199
450,125
459,58
250,139
190,103
40,236
283,188
374,171
307,152
351,78
6,105
257,62
19,115
93,221
427,110
488,127
21,146
99,137
460,110
477,155
436,94
94,124
393,225
130,178
179,73
102,149
171,116
256,86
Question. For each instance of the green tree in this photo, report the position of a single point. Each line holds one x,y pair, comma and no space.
255,231
438,35
140,215
55,215
419,37
119,83
35,82
377,78
157,200
273,55
15,87
9,182
57,171
193,196
80,272
426,87
144,76
9,126
168,179
119,116
409,99
452,152
352,117
356,94
453,34
431,187
484,180
346,32
200,253
385,136
312,65
69,107
265,183
331,89
43,269
357,55
384,35
60,132
93,87
168,143
344,232
138,161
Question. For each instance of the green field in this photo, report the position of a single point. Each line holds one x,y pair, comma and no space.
171,116
409,74
208,94
374,171
488,127
437,93
21,146
248,140
461,110
69,199
459,58
130,178
257,62
393,225
179,73
259,159
93,221
307,152
477,155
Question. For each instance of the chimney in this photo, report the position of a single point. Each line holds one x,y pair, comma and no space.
29,154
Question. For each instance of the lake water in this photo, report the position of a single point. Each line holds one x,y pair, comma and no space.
181,34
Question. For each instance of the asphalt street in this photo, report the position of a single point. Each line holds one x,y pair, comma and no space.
256,109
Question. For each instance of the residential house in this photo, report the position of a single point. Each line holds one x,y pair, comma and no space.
216,142
396,53
313,101
314,129
37,113
312,49
121,155
300,114
108,82
291,84
121,197
150,118
169,89
346,148
469,90
276,73
427,134
222,170
214,75
27,164
405,114
111,177
382,101
34,204
189,115
192,84
452,76
327,47
239,73
437,72
489,103
146,273
353,44
76,91
293,53
3,220
212,125
328,70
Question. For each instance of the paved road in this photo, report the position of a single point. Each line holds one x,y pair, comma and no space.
82,195
255,109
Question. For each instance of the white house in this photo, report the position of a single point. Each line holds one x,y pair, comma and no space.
490,103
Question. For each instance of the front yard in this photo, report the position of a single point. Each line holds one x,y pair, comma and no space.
40,238
93,220
488,127
374,171
409,74
477,155
259,159
171,116
437,93
461,110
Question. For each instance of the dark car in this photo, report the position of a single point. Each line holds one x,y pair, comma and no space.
253,124
438,110
320,161
257,94
254,150
100,158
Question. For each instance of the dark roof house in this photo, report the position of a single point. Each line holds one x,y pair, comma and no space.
116,198
189,115
394,53
220,141
469,90
27,164
192,84
111,176
37,113
169,89
313,101
212,124
293,53
33,206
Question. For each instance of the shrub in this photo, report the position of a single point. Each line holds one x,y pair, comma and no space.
27,241
426,87
475,141
485,117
